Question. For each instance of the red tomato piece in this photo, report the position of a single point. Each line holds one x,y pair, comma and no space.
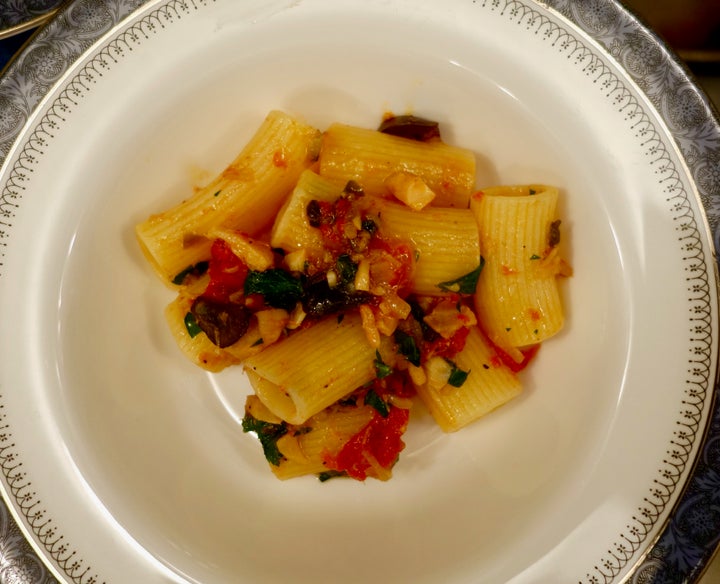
227,272
381,439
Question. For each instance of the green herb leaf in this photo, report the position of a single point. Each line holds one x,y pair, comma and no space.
331,474
191,325
457,375
374,400
408,347
279,288
534,257
382,369
268,434
464,284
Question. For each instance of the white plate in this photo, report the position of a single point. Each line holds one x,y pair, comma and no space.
126,464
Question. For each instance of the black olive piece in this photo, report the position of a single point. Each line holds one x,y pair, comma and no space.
353,190
554,233
320,299
411,127
314,213
224,323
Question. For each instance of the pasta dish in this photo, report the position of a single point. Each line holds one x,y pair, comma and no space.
354,273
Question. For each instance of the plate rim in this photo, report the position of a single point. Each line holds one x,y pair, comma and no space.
656,562
27,18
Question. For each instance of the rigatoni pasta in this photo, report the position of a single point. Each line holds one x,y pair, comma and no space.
370,158
357,274
446,242
518,301
245,196
312,368
490,385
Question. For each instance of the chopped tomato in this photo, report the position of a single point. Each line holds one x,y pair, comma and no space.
227,272
379,442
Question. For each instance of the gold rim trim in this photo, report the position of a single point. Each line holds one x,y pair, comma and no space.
27,25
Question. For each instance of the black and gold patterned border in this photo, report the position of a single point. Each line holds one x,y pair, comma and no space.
633,49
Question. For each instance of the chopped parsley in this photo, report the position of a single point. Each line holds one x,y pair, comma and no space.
464,284
374,400
268,434
534,257
382,369
457,375
191,325
408,347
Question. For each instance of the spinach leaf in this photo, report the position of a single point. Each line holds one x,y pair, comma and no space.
382,369
279,288
408,347
191,325
457,375
268,434
464,284
374,400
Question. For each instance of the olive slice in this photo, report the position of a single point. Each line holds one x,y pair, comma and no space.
224,323
411,127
